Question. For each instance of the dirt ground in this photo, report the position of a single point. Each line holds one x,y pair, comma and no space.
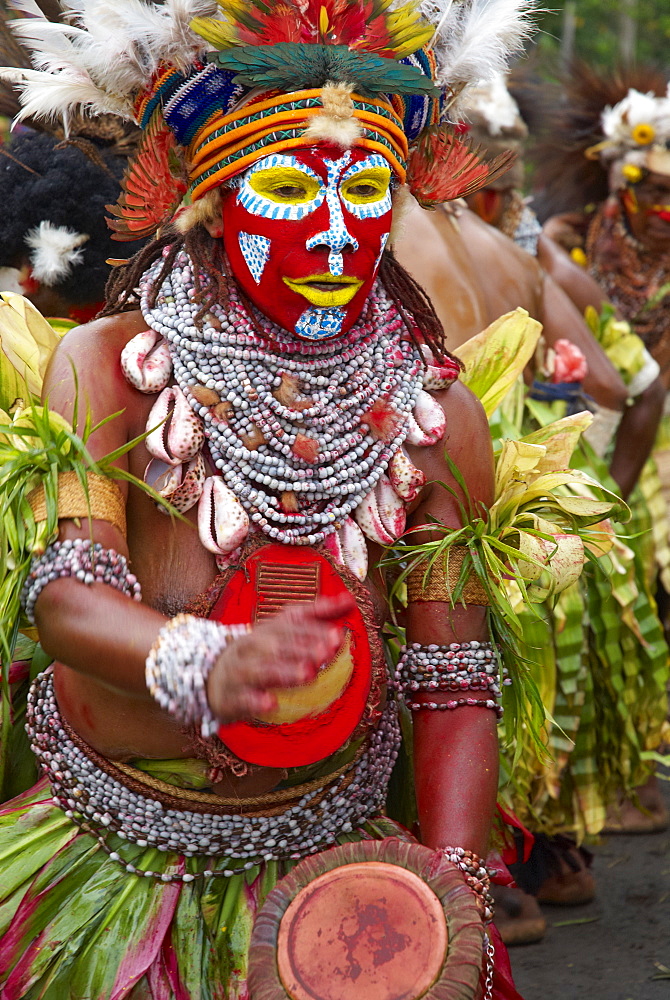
618,946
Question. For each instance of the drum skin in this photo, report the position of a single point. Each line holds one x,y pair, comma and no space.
374,920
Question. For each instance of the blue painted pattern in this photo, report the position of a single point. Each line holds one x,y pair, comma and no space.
319,324
373,209
266,208
382,247
337,236
256,252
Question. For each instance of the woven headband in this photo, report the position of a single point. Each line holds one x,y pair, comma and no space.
226,144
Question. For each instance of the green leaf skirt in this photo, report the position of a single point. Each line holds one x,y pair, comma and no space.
75,925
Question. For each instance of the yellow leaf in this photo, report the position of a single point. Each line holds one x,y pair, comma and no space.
27,341
564,564
560,439
495,357
515,460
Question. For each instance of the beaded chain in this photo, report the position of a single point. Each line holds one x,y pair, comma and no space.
82,559
460,666
101,804
478,878
476,875
180,662
320,448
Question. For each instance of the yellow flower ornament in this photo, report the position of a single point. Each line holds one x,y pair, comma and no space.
643,134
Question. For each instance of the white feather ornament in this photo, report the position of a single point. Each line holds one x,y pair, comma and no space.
102,53
636,109
54,251
492,106
475,39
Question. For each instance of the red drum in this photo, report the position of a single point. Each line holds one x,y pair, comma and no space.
314,720
381,920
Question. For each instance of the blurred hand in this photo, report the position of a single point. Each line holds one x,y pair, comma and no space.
285,651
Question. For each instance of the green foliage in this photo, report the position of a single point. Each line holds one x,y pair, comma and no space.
598,32
36,446
496,540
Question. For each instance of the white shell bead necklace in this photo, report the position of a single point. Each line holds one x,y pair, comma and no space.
315,444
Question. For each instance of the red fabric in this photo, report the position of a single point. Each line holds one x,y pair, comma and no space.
503,983
84,314
510,854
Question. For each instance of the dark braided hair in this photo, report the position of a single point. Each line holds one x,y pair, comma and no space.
212,279
209,271
415,307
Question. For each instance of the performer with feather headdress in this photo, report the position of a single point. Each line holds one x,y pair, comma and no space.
603,177
280,383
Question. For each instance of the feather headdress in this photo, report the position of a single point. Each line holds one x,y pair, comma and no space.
475,40
637,136
573,125
232,79
492,119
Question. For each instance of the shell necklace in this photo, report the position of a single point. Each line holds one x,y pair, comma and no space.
301,433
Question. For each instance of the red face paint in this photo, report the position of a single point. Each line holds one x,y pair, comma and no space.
330,247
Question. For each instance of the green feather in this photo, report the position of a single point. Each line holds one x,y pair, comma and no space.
292,66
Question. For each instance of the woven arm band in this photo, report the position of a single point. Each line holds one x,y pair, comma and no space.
438,583
105,501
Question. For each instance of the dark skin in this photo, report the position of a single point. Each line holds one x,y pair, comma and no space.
473,274
649,198
104,639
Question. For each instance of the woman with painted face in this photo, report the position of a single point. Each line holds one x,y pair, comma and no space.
217,750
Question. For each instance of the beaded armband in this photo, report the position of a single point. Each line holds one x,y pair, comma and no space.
438,582
180,662
459,667
86,561
103,502
478,878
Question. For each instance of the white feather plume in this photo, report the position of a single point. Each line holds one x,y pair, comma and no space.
476,39
103,51
52,96
492,107
54,251
636,109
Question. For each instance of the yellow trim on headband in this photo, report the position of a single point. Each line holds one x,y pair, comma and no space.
203,154
249,109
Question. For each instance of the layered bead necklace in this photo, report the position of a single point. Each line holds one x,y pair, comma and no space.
295,433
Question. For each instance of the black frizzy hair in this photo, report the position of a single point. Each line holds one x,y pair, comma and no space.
44,179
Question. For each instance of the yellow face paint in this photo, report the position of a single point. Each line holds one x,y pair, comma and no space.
285,185
367,186
340,292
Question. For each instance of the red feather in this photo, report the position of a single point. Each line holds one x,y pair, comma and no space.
306,448
365,25
152,187
444,166
382,420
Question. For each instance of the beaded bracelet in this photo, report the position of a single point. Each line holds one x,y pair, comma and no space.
476,875
457,667
83,559
180,662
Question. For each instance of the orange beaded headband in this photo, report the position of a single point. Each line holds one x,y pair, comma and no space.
226,144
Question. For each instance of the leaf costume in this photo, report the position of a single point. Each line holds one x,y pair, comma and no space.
286,428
